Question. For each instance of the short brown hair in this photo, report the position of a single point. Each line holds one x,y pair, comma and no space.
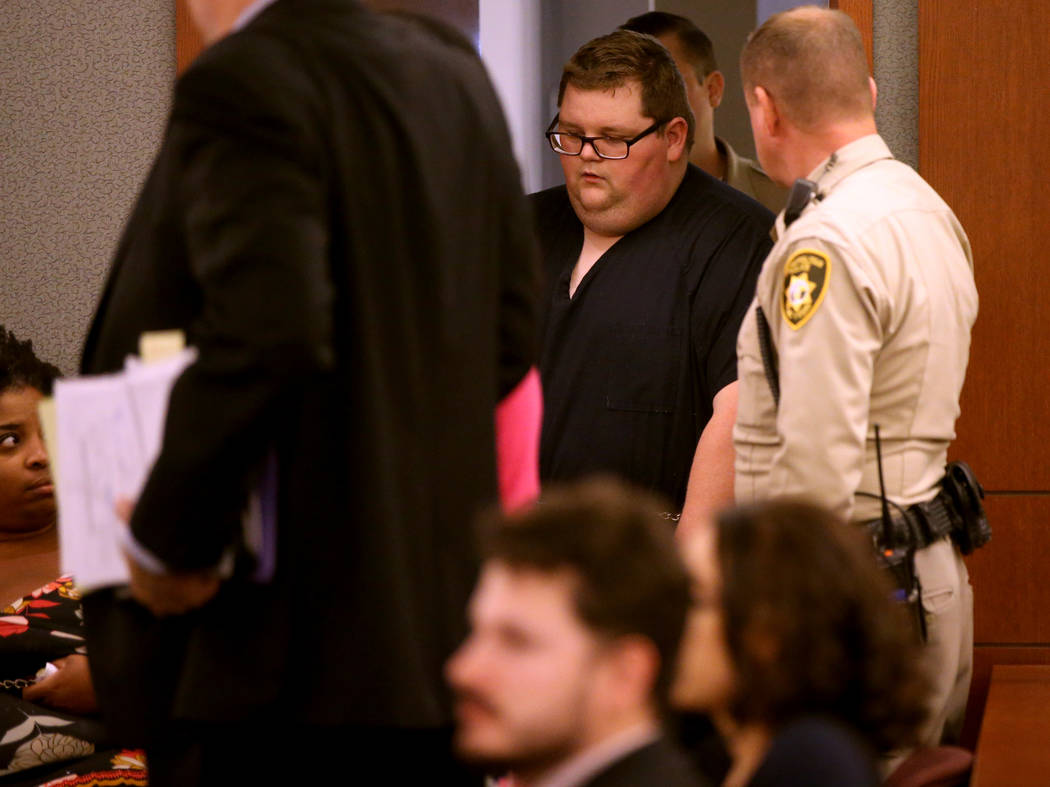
695,44
796,577
614,538
612,60
812,61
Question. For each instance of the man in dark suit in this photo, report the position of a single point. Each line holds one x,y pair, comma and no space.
335,220
575,625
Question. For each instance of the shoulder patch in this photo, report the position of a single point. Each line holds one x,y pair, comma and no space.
806,276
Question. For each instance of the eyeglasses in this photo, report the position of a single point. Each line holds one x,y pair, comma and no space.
567,144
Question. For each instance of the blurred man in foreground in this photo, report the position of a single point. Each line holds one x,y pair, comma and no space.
575,625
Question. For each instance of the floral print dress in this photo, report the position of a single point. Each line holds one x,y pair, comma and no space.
40,745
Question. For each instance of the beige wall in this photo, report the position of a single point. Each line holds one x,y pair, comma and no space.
83,96
896,56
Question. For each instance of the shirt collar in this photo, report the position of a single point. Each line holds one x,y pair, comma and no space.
733,162
847,160
591,761
249,13
836,167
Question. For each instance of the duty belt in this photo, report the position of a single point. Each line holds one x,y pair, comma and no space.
915,527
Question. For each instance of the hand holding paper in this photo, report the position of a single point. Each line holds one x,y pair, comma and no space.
109,430
169,593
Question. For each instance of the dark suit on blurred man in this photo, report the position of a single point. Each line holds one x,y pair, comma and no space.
335,220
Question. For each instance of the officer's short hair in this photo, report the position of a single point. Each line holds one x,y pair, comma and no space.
612,60
812,62
614,539
20,368
698,49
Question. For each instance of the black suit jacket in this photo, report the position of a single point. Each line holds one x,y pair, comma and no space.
659,763
336,222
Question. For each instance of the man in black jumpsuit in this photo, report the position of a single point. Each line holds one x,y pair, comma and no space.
651,264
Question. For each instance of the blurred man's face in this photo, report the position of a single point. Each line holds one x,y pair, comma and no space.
27,497
702,100
613,197
525,678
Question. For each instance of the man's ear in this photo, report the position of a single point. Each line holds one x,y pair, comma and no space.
634,664
675,132
715,83
769,113
874,92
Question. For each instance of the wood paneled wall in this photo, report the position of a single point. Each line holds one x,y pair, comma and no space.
984,136
188,40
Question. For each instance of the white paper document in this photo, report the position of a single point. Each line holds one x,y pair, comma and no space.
109,429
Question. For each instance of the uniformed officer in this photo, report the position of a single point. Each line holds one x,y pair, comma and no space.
862,318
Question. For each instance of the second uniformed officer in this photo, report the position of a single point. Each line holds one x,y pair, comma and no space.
861,319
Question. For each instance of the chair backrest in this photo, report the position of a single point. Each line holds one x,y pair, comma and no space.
939,766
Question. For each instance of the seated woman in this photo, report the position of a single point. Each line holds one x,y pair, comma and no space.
28,542
47,729
795,648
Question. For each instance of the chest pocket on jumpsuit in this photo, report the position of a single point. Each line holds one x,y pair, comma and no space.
644,377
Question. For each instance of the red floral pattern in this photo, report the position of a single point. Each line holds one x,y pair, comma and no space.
13,624
44,626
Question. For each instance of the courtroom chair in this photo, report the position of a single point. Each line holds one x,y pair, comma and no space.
938,766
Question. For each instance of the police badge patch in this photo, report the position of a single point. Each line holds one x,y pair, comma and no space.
806,275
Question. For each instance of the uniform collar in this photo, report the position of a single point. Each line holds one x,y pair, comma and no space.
847,160
837,167
734,165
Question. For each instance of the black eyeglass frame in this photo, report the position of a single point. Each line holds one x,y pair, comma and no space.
550,133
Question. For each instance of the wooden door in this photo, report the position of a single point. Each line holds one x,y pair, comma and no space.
984,143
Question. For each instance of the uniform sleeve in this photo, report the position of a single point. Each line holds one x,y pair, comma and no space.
256,235
720,302
827,330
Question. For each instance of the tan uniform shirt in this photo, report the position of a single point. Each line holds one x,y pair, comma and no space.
745,175
870,299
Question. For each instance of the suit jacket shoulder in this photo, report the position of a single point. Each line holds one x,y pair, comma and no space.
819,752
660,762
